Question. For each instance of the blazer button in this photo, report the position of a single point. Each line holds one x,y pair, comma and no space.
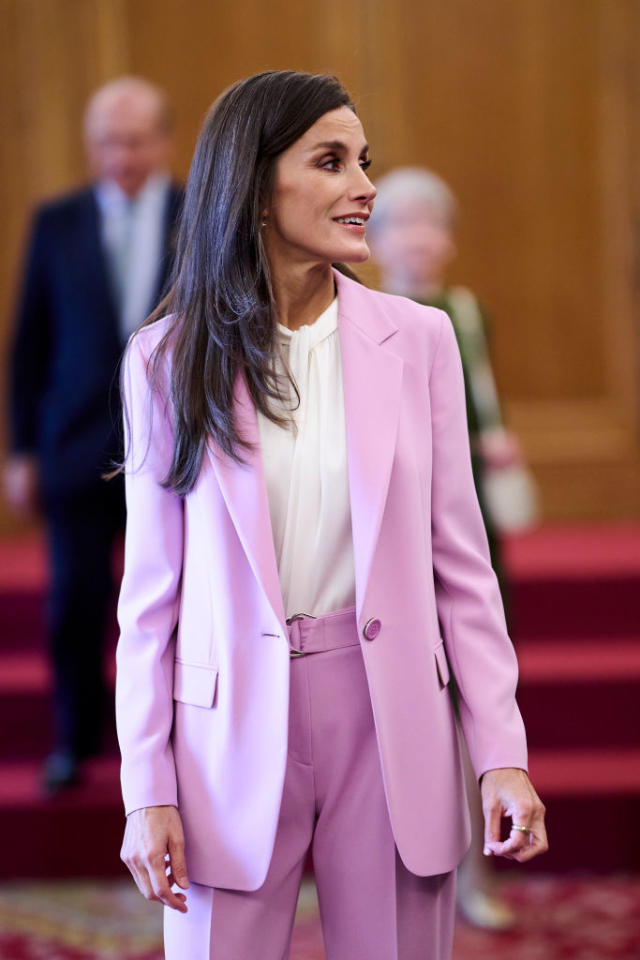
372,628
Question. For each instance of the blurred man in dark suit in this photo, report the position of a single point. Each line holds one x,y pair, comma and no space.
97,263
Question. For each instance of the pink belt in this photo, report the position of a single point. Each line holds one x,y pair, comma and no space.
308,634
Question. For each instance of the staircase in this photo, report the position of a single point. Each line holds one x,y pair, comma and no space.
79,832
576,601
576,607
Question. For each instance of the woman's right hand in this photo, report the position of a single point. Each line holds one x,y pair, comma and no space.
153,850
21,485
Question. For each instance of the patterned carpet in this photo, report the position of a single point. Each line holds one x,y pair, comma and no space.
560,919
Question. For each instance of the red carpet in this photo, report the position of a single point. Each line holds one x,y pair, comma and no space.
577,919
576,606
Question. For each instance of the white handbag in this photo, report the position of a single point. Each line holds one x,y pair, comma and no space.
511,498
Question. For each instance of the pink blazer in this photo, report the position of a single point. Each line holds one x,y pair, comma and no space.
203,662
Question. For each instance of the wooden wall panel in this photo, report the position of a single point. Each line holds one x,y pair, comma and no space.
528,108
197,56
500,99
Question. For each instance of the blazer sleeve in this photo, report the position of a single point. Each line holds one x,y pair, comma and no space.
31,344
149,599
468,598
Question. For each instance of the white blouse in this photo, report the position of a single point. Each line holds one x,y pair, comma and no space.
306,474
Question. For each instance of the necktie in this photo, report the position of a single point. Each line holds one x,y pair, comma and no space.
121,255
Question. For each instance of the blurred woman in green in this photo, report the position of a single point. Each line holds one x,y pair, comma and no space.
411,235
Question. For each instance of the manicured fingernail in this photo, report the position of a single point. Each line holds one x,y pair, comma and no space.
487,852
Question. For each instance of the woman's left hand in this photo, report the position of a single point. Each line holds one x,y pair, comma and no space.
508,792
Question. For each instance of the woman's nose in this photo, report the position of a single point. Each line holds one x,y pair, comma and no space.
363,188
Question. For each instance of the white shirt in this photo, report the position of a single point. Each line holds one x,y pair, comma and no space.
133,237
306,474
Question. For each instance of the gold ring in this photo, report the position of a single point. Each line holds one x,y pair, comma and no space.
517,826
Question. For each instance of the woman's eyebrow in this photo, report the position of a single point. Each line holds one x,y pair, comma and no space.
337,145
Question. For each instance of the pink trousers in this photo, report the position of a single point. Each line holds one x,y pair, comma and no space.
371,906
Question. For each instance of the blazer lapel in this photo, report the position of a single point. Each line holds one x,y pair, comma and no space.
372,385
244,489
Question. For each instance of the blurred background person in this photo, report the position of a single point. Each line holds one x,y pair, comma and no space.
97,262
412,239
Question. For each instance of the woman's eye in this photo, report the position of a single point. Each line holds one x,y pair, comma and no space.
333,164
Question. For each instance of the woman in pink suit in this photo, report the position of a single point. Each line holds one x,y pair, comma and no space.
305,563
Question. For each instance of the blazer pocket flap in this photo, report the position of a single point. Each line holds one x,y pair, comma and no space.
441,664
194,684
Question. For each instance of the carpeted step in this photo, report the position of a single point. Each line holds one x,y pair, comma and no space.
574,582
554,608
580,694
581,715
22,615
26,704
577,553
75,833
578,772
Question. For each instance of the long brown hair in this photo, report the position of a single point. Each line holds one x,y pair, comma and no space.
221,299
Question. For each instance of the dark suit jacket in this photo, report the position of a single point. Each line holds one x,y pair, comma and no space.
64,402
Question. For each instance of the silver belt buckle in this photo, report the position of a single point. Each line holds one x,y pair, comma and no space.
298,616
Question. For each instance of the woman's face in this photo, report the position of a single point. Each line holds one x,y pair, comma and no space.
322,196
